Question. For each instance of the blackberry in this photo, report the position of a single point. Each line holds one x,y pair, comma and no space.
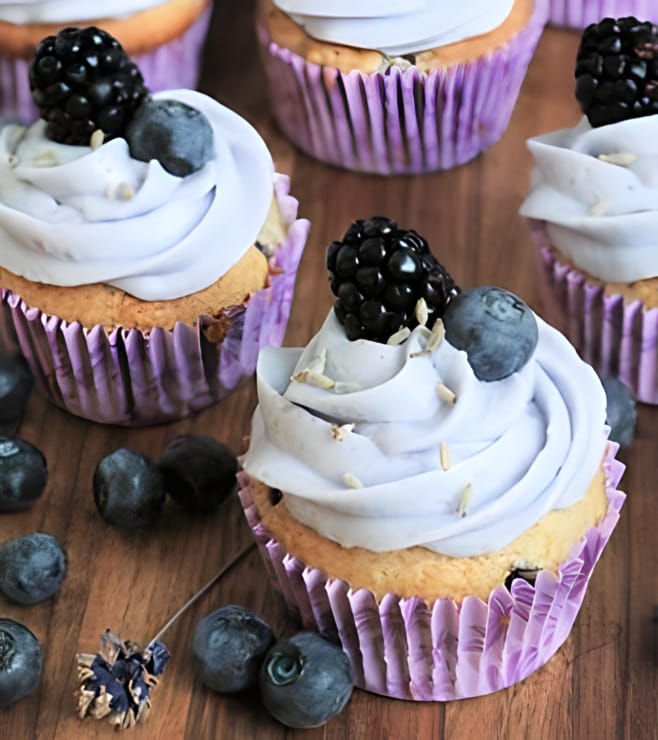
82,80
617,70
378,273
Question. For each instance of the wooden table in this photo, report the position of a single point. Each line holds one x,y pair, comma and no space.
602,684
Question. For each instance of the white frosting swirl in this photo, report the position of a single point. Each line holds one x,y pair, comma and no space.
597,190
72,215
396,27
527,444
68,11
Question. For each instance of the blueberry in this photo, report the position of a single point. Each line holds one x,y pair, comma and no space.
32,568
198,471
621,412
177,135
20,662
229,645
15,386
496,329
128,489
23,474
305,680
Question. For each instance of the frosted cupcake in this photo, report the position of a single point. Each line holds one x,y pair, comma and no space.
437,502
580,13
164,36
593,207
141,271
397,87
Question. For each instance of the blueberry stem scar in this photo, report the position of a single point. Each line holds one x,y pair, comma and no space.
224,569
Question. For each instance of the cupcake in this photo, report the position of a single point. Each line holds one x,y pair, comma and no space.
593,207
435,501
393,87
141,269
164,36
580,13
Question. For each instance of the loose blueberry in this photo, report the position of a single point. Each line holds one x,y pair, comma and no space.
305,680
621,413
15,386
23,474
20,662
128,489
32,568
198,471
229,645
494,327
177,135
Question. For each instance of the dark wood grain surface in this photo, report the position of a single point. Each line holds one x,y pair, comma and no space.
604,681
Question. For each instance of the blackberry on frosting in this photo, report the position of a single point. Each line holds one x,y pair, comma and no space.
617,70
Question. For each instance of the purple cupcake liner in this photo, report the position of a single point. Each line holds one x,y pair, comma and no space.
406,648
578,14
135,378
399,121
176,64
613,335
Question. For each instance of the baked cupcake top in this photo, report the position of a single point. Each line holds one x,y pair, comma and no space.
396,27
457,435
56,11
596,184
161,208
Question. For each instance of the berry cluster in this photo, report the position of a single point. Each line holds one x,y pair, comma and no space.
617,70
379,273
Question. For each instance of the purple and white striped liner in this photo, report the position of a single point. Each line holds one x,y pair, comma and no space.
174,65
613,335
578,14
399,121
134,378
409,649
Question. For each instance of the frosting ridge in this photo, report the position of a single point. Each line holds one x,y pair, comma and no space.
360,462
396,27
76,215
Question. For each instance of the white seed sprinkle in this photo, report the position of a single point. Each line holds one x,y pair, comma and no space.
317,379
317,364
420,311
45,158
125,191
351,481
12,160
623,159
465,499
340,432
444,455
598,209
436,335
346,386
400,336
97,139
445,394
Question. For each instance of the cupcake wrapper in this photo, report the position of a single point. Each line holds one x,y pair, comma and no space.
614,336
399,121
171,66
407,649
578,14
134,378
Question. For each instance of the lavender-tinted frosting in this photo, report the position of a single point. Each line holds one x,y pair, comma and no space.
65,11
523,446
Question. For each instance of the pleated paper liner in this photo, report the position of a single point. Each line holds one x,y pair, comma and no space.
615,336
130,377
578,14
406,648
170,66
399,121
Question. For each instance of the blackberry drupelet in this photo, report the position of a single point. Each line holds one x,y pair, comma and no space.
617,70
378,273
82,80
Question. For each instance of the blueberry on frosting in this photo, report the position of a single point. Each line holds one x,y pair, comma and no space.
617,70
494,327
82,81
